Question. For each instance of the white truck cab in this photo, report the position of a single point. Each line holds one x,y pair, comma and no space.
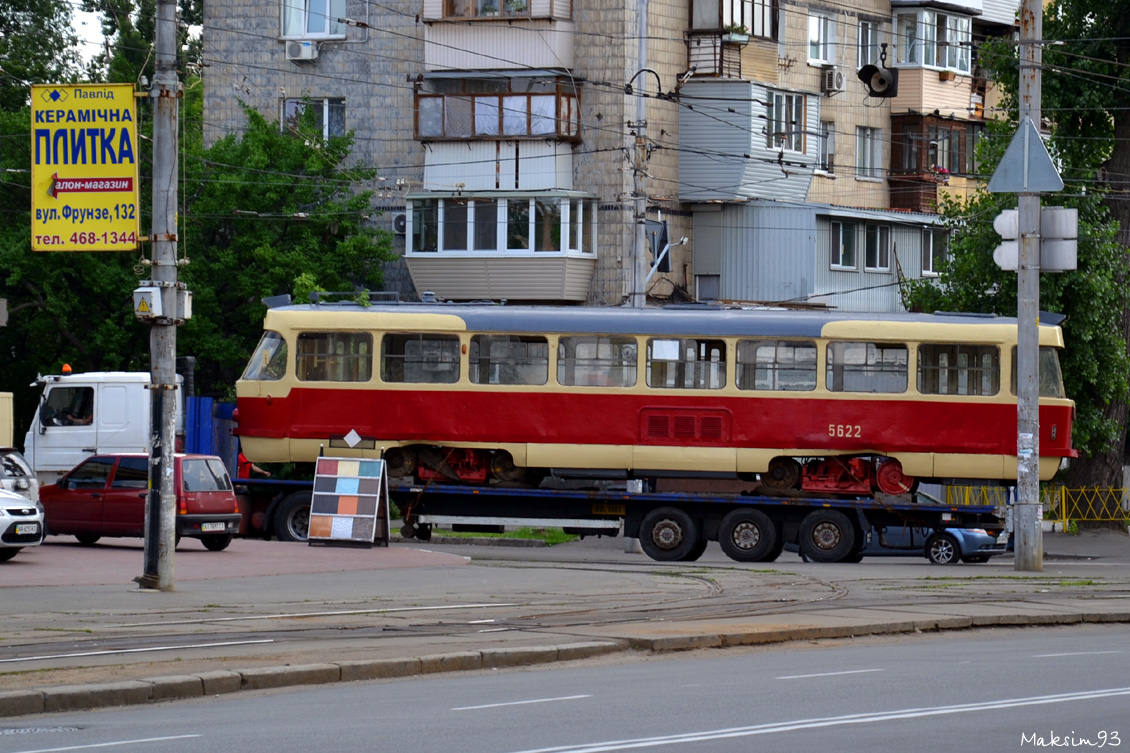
82,414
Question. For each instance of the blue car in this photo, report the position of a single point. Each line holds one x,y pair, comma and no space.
942,548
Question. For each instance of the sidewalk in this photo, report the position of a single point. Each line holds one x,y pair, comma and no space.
372,610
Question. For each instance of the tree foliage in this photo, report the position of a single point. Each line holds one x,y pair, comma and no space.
37,46
1080,104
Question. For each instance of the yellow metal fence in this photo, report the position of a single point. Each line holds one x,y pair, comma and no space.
1086,505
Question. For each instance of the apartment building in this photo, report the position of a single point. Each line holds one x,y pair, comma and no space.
515,138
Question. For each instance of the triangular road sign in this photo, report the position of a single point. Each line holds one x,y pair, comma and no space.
1026,166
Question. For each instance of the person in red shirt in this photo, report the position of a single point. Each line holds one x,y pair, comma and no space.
245,467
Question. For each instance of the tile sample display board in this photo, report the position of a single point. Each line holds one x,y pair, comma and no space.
350,503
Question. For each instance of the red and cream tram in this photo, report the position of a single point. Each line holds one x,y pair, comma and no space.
823,401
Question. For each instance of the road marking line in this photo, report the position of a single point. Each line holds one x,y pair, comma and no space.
832,721
1074,653
829,674
109,745
521,703
136,650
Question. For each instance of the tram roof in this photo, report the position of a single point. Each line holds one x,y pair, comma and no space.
676,320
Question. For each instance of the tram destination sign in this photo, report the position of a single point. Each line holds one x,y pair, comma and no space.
84,168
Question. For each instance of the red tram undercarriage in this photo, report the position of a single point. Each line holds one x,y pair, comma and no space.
841,474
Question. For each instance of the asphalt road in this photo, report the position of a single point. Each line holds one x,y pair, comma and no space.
998,690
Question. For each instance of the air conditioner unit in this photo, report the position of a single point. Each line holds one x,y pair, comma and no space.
834,80
304,49
400,223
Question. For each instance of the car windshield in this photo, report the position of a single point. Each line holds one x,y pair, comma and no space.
13,465
205,475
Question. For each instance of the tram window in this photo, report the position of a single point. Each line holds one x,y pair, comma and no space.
268,362
420,358
776,365
866,367
686,364
1051,378
959,369
508,359
593,361
334,356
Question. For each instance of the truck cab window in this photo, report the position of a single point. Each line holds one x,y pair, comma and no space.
68,406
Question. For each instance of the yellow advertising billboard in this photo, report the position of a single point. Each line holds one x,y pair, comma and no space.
84,176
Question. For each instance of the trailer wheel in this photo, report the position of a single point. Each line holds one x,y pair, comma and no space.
747,535
826,536
424,533
292,517
668,534
216,542
943,549
697,551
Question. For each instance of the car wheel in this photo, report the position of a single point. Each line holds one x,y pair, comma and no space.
8,553
216,542
943,549
86,539
668,534
747,535
292,517
826,536
975,559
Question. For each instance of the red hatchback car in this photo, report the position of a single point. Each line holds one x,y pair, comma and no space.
105,495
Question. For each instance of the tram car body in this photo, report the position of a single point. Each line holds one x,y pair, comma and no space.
822,401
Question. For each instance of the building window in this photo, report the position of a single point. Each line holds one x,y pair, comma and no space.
821,39
496,225
868,153
310,19
868,43
843,245
485,8
976,132
827,161
937,40
327,114
935,247
785,118
877,255
759,17
489,109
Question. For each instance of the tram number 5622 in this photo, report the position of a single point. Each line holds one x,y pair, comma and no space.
853,431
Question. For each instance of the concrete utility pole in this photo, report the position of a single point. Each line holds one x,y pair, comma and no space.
638,296
160,522
1028,525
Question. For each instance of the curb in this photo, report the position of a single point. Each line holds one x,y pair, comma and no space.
219,682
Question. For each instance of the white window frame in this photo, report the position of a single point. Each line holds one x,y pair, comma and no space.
312,19
869,41
786,132
877,248
844,245
868,153
323,102
827,161
821,39
931,255
932,39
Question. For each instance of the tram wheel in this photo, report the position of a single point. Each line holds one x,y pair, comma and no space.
783,473
891,480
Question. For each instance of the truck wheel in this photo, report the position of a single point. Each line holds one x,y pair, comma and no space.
697,551
826,536
943,549
216,542
668,534
86,539
292,517
747,535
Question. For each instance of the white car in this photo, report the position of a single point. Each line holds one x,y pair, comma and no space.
21,524
16,474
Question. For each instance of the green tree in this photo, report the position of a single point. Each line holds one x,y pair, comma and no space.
37,46
1086,117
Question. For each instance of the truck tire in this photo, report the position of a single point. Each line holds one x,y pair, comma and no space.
943,549
747,535
216,542
292,517
86,539
826,536
668,534
697,551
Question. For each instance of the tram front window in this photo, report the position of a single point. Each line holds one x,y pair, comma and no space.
1051,378
268,362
